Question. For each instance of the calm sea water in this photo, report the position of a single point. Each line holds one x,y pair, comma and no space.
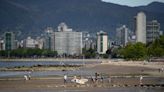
10,64
32,63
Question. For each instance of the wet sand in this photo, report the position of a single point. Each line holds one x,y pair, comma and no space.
123,75
57,84
127,69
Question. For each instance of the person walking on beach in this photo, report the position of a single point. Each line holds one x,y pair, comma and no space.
29,75
65,79
26,77
159,70
162,69
96,77
102,78
109,80
141,78
92,80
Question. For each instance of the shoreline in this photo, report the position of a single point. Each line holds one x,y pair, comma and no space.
113,62
52,59
40,69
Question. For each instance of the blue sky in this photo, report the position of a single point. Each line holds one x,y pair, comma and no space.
132,2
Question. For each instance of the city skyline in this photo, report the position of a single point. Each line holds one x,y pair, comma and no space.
81,45
84,15
133,3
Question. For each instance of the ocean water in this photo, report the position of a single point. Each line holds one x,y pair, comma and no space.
32,63
11,64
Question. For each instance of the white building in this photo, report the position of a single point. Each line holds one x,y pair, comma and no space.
141,27
153,30
122,36
67,41
102,42
30,43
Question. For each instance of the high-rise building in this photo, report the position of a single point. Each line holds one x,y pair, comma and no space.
102,42
88,41
122,36
10,41
67,41
49,38
153,30
141,27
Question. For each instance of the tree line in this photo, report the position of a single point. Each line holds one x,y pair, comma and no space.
28,53
140,51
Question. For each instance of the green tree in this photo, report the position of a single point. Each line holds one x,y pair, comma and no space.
134,51
156,49
3,53
28,52
90,53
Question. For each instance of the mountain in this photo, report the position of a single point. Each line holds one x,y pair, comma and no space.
31,17
153,7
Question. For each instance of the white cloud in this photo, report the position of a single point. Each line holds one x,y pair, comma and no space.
132,2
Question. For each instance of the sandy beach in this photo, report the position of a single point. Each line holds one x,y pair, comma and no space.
123,75
48,85
131,68
107,67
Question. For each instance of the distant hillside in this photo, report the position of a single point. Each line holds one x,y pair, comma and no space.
31,17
